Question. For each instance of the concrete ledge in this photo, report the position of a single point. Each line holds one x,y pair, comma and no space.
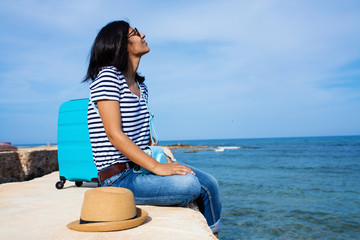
27,163
37,210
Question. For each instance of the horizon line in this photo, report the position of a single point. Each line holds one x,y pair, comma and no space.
205,139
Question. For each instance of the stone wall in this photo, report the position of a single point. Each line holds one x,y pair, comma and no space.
27,163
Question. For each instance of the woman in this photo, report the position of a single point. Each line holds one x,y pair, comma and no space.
118,121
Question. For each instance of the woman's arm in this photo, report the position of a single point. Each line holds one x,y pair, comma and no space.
111,118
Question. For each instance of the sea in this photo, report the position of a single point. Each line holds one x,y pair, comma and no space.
283,188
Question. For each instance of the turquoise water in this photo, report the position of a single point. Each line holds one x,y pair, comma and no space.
285,188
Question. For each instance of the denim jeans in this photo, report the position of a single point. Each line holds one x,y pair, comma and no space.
174,190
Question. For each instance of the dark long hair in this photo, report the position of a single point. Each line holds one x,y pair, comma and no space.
110,49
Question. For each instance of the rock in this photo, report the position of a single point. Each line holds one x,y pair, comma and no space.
11,169
192,151
27,163
6,146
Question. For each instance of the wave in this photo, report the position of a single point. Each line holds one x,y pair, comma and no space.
222,149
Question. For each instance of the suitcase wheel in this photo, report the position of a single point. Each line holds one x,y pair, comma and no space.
78,183
60,184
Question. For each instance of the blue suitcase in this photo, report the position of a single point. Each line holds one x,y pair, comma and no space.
74,148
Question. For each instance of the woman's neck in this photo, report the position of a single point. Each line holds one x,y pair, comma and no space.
130,72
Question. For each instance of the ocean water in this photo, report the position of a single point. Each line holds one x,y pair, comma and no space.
284,188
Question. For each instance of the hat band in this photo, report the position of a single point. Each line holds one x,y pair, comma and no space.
86,222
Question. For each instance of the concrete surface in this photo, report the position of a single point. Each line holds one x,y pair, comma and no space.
35,209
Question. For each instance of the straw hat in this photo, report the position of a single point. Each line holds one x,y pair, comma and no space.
108,209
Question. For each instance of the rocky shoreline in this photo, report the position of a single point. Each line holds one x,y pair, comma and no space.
192,149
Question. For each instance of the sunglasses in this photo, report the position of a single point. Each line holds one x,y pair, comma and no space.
136,33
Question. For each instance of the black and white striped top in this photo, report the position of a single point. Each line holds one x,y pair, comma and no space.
110,84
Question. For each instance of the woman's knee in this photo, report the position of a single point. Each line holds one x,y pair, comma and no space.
207,180
212,181
189,186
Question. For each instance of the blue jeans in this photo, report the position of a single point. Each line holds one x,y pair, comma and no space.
174,190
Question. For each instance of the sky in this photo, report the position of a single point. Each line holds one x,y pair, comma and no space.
215,70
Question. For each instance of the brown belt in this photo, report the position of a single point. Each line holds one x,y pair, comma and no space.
115,169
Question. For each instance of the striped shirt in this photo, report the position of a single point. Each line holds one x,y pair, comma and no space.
110,84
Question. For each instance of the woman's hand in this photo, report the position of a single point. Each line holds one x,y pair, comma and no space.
171,169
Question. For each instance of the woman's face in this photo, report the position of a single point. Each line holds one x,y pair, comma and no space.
137,45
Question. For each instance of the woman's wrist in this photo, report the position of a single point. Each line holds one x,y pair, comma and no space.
156,167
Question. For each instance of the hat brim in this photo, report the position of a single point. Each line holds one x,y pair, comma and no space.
110,226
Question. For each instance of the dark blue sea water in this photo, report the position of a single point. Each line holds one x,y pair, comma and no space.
285,188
